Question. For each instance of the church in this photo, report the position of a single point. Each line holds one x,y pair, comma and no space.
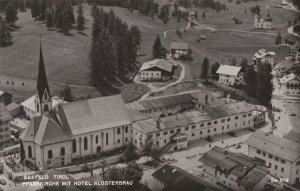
55,137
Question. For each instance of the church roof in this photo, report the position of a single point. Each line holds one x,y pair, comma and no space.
44,130
42,83
94,114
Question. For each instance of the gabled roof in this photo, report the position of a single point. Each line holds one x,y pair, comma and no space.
30,104
248,172
284,64
180,45
177,179
94,114
262,53
4,113
281,147
229,70
296,46
44,130
288,78
159,63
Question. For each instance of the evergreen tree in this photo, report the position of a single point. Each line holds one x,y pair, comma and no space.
49,20
66,93
130,153
205,69
156,48
22,151
22,6
203,15
5,36
264,83
11,14
66,24
59,21
35,8
233,62
80,19
42,12
278,39
250,80
213,70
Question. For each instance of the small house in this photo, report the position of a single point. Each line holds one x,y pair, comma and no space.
179,49
159,69
230,75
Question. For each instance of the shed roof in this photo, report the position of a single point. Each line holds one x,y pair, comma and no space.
229,70
158,63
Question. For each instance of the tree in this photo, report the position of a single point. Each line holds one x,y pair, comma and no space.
264,83
5,36
244,64
203,15
155,153
22,6
250,80
42,12
66,25
80,19
35,8
156,48
233,62
204,69
49,20
148,148
66,93
11,14
22,151
130,153
278,39
196,15
213,70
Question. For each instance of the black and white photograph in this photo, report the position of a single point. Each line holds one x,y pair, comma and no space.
149,95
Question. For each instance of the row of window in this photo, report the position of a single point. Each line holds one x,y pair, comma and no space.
276,167
270,156
5,129
6,135
12,83
151,74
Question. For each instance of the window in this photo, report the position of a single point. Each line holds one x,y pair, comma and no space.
149,136
282,169
209,123
186,128
270,165
106,138
29,152
276,167
193,134
245,115
126,139
297,163
223,120
228,119
166,132
172,131
85,143
282,161
222,127
126,129
215,129
96,139
74,145
276,159
200,132
258,151
270,156
46,107
118,141
264,154
157,134
50,154
202,125
208,131
297,171
194,126
62,151
118,131
249,114
236,117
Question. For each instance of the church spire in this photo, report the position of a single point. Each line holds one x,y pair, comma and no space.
42,83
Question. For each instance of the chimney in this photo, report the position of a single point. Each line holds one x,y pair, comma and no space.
244,169
158,123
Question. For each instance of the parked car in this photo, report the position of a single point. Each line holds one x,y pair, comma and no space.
234,134
2,182
251,129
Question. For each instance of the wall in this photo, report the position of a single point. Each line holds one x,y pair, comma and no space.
150,75
5,131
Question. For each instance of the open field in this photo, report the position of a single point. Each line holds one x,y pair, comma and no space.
67,57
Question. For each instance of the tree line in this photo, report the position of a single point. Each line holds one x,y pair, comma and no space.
144,7
114,46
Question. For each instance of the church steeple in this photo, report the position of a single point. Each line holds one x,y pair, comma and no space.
43,96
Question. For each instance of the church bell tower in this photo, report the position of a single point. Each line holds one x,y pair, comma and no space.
43,103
